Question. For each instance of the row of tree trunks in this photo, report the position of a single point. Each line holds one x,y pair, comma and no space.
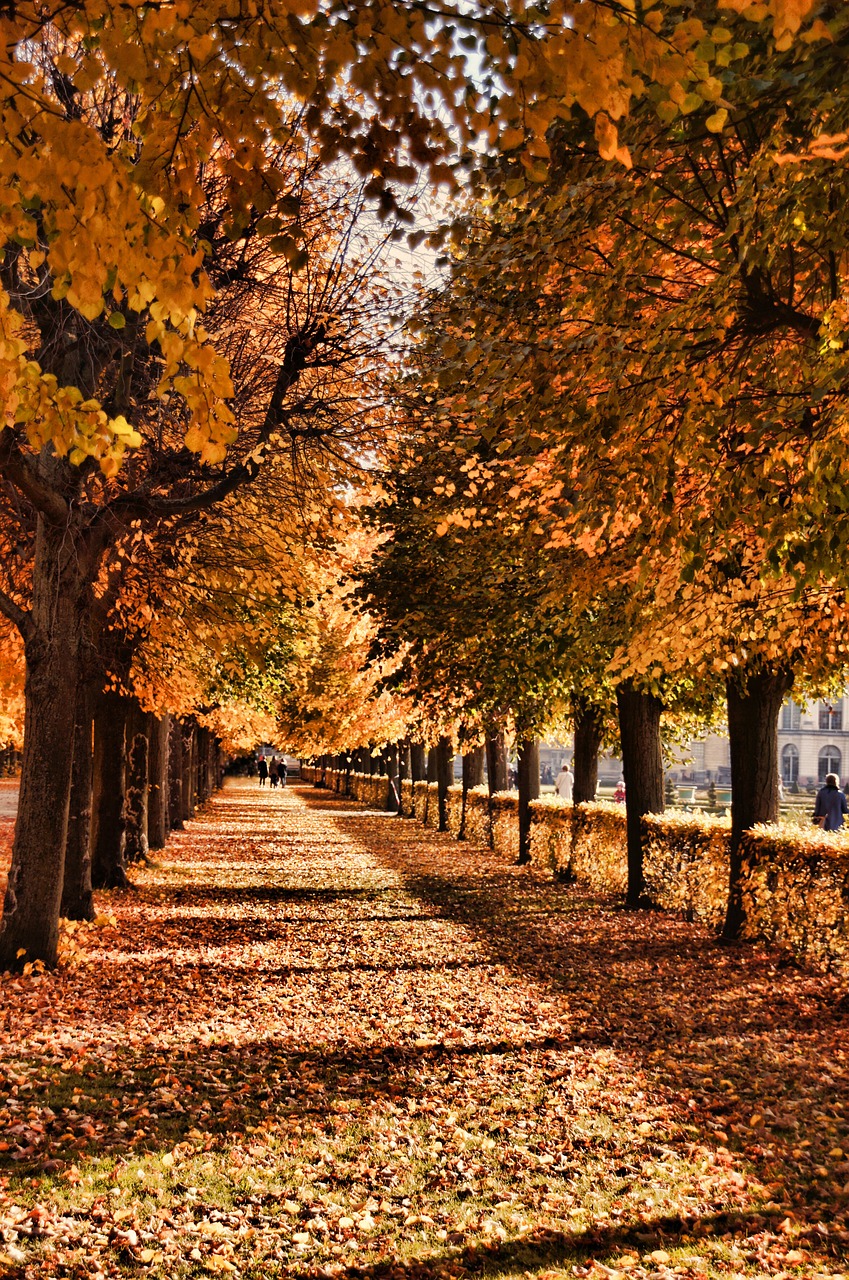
10,761
754,701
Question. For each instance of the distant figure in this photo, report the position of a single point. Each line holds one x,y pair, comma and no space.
830,805
273,772
780,790
282,772
262,769
565,783
619,793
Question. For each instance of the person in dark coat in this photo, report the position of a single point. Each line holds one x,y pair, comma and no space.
830,805
262,769
283,772
273,772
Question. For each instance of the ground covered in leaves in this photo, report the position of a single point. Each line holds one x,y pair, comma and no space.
318,1041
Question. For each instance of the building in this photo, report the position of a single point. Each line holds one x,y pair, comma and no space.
813,740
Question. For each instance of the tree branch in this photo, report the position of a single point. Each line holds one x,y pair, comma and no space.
298,348
20,470
21,618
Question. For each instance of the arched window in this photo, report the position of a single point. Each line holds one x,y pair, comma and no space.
829,762
790,764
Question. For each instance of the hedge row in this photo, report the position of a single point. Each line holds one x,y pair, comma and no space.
795,886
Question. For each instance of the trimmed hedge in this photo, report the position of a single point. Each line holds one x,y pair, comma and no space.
584,842
796,891
795,881
686,863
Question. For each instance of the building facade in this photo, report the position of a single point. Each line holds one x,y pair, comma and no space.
813,740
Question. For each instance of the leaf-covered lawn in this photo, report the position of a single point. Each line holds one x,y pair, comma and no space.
321,1041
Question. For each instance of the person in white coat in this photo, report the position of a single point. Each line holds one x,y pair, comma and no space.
564,782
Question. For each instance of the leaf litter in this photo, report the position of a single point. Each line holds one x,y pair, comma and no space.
322,1042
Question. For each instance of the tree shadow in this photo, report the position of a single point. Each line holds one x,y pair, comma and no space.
750,1050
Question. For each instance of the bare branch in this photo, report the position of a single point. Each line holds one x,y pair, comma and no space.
20,470
20,617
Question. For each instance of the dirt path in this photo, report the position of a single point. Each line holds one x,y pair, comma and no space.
321,1041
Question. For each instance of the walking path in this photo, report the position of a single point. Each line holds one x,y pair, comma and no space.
322,1041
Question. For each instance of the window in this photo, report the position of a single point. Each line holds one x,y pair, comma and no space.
829,762
831,717
791,716
790,764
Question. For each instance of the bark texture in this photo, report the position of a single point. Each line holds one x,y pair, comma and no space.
496,771
34,890
418,766
77,895
157,818
473,771
444,776
642,764
175,775
496,761
754,703
108,862
189,771
528,791
137,848
589,732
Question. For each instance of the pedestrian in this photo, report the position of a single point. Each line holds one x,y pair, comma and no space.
282,771
262,769
830,805
273,772
619,793
565,783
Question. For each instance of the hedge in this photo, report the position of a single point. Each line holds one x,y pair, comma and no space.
795,881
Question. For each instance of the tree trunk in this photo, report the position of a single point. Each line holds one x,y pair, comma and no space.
157,817
473,764
496,761
393,790
418,764
202,750
444,776
496,772
187,803
34,891
528,791
403,748
589,732
754,703
77,896
136,812
108,837
175,775
642,765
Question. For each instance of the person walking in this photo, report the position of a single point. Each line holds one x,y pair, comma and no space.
282,771
262,769
830,804
564,784
273,772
